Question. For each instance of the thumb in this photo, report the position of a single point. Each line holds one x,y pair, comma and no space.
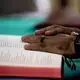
74,33
31,38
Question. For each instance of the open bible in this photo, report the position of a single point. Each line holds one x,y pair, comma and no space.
15,61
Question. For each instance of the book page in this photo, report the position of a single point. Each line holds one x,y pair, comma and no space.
12,53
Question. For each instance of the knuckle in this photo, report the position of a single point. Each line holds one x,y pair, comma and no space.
56,26
77,29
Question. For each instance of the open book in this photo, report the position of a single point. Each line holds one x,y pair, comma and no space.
15,61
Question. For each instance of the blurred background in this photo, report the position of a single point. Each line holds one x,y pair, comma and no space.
33,7
24,7
19,16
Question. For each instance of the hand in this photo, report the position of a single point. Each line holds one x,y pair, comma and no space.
56,29
59,44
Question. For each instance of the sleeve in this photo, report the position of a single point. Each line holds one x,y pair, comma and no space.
77,46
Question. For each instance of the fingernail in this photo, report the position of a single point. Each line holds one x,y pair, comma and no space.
38,32
26,46
22,38
48,33
25,39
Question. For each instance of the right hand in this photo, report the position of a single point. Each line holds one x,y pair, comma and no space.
56,29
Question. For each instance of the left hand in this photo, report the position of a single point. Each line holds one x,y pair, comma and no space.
59,44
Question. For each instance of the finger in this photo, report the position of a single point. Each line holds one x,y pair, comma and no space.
42,31
69,30
61,29
35,47
38,47
63,35
54,31
76,30
31,38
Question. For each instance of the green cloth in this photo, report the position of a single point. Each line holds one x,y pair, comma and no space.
22,26
68,72
18,26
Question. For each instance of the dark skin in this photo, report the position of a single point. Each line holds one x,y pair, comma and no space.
56,29
61,43
55,38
